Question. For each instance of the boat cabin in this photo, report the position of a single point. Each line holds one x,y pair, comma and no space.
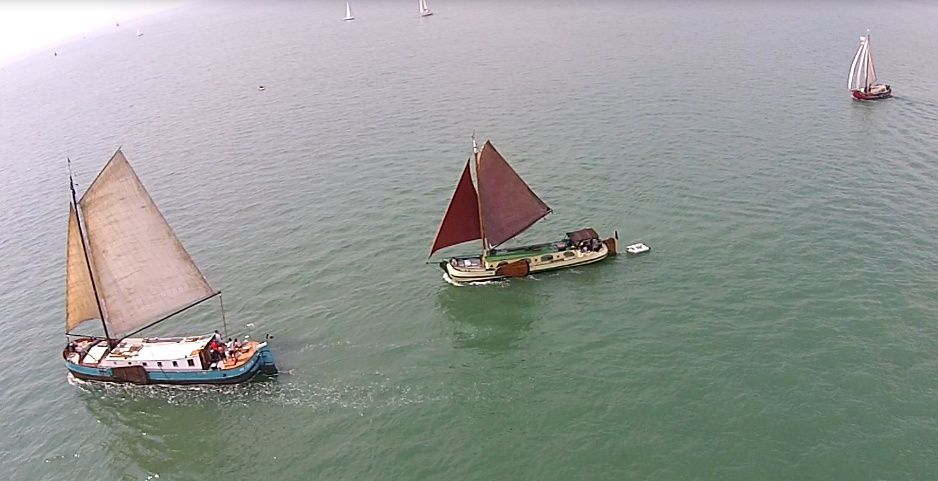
584,240
153,354
582,235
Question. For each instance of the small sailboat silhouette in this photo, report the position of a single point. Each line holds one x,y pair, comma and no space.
139,33
348,12
424,9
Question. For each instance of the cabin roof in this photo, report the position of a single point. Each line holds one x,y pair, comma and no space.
582,235
157,349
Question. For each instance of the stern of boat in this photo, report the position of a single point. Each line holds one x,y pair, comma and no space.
266,359
612,244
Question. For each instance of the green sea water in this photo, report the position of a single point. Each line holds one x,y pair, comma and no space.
784,327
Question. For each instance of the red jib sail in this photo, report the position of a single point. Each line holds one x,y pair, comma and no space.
508,204
461,221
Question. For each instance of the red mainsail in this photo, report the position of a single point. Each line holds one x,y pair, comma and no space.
508,204
461,221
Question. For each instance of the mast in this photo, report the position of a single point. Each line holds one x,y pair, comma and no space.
84,248
475,154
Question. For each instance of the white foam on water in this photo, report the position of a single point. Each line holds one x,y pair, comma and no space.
450,280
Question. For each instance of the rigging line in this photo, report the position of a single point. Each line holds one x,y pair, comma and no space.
221,301
191,305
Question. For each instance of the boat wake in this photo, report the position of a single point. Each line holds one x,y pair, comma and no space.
367,392
74,381
450,280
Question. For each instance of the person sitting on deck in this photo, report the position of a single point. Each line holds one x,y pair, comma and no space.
237,345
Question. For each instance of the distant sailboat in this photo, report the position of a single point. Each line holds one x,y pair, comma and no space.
501,208
126,269
348,12
424,9
862,79
139,33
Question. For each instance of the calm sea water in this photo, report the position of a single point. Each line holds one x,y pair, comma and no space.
784,327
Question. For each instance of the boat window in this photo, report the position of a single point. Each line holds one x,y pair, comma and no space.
174,364
159,364
568,254
144,364
547,258
191,362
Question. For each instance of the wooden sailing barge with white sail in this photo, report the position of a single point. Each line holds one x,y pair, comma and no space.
127,269
862,79
503,207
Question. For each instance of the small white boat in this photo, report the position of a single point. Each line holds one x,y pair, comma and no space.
637,248
348,12
423,8
139,33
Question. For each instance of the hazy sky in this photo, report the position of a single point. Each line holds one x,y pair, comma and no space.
28,26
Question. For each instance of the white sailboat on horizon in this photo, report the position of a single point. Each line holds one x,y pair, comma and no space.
139,33
423,8
348,12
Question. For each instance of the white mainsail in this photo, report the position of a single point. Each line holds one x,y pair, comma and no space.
348,12
424,9
141,270
862,73
870,71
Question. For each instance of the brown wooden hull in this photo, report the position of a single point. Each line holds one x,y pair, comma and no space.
611,246
519,268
